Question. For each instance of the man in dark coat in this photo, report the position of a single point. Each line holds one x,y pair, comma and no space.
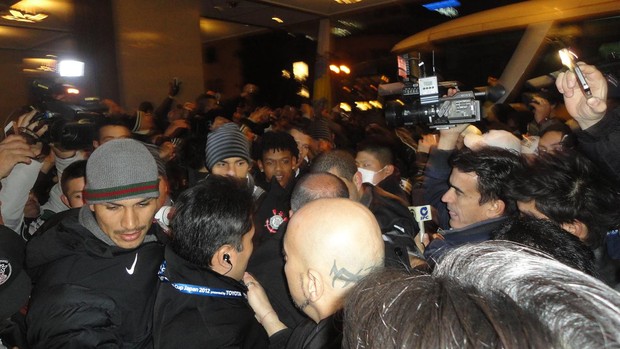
325,256
94,273
201,302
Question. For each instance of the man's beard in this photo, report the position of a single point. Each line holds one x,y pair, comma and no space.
303,305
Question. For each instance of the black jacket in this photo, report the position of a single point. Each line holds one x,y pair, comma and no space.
327,334
396,222
185,320
267,266
272,209
473,233
88,294
600,144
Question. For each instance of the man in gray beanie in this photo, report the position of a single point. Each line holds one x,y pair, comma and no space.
95,272
228,154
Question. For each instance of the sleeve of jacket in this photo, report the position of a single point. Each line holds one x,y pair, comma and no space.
436,175
601,144
14,193
71,316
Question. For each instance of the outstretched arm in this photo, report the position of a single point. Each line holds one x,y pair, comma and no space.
262,307
586,111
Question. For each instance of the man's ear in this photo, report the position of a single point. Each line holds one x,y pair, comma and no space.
92,207
496,208
96,144
357,180
314,288
576,228
164,189
295,163
219,262
65,200
260,165
389,170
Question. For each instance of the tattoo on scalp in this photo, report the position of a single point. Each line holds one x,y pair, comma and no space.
345,275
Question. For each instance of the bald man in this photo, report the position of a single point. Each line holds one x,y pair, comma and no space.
267,261
325,256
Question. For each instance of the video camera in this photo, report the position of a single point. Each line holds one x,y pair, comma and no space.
424,101
70,126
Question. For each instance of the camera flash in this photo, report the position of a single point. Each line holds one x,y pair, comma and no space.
568,59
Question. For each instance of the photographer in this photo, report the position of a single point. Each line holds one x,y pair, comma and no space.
22,151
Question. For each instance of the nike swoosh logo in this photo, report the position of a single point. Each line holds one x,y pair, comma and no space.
133,266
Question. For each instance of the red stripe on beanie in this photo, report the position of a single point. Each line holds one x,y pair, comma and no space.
122,192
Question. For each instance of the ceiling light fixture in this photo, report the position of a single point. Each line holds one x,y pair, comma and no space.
347,2
23,16
276,19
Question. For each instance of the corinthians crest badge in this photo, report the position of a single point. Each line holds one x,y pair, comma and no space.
5,271
273,223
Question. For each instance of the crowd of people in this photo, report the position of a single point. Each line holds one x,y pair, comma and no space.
230,224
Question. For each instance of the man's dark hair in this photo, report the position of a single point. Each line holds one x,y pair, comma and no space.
74,170
566,186
114,120
548,237
380,150
277,141
213,213
315,186
300,124
146,107
493,166
569,139
340,160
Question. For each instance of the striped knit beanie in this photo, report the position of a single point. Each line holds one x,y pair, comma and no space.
227,141
120,169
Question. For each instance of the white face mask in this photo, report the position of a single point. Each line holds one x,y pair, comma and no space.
368,176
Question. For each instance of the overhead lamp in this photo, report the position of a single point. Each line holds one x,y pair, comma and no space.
23,16
70,68
277,20
347,2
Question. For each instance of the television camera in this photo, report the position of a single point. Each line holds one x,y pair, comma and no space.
425,100
71,126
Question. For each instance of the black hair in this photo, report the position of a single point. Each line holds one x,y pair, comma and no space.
115,120
493,166
569,140
566,186
315,186
339,160
215,212
300,124
75,170
146,107
381,150
277,141
548,237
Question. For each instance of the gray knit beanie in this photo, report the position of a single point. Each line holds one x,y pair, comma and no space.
226,142
319,129
120,169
